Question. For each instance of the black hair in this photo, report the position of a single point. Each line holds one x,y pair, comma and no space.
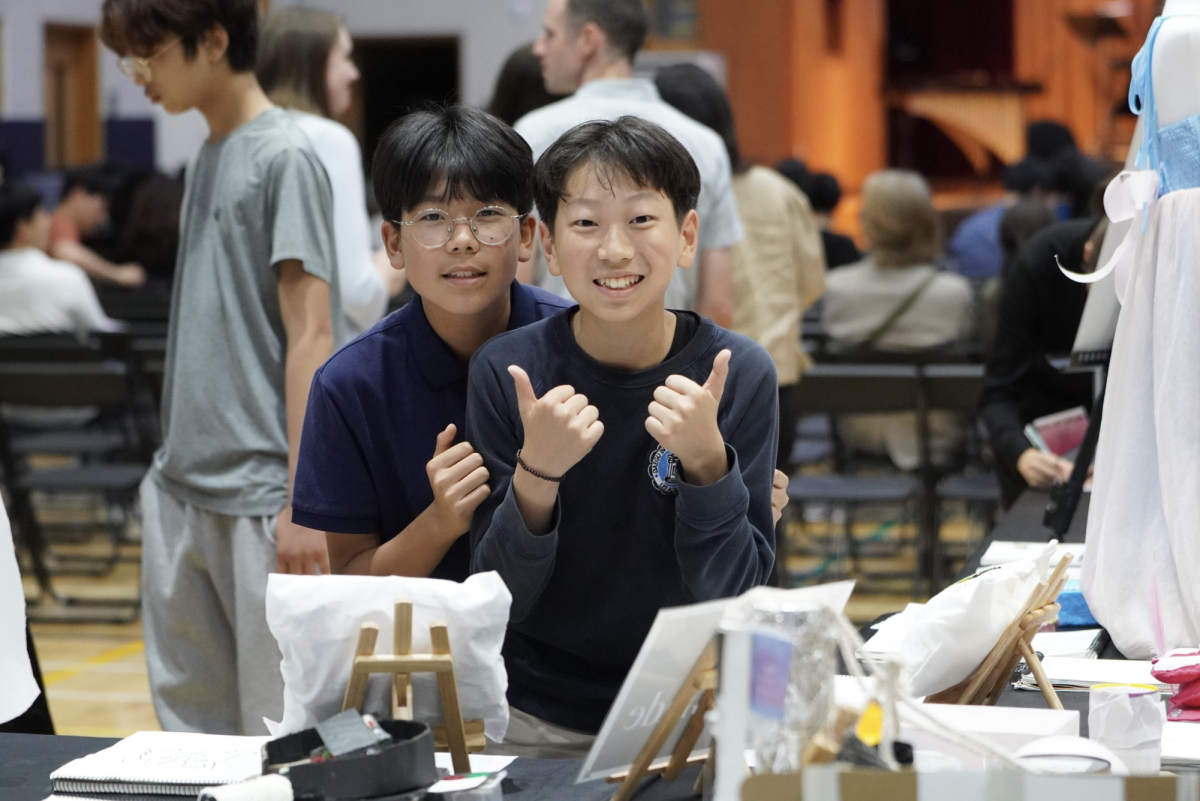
1027,175
795,171
692,90
1024,219
92,179
519,87
137,27
625,22
824,192
640,150
1046,139
18,203
470,151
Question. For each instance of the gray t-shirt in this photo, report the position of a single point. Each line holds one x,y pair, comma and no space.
255,198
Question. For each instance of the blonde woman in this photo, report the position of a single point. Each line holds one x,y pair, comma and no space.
896,299
304,65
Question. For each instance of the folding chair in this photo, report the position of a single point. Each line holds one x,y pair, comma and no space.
844,389
958,388
104,384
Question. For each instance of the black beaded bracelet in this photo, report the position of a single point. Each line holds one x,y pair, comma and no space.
535,473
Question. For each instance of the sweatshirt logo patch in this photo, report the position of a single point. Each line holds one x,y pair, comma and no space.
664,471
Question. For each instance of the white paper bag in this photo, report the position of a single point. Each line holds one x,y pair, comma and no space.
316,620
952,634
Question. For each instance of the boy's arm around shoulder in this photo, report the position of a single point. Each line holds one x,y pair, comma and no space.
500,540
724,532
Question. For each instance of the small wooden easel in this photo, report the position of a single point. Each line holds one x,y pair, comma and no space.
402,664
703,680
986,683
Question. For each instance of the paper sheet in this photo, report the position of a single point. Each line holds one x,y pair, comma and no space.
480,763
1067,673
157,757
18,688
1066,643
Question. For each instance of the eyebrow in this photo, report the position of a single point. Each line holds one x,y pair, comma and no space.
591,201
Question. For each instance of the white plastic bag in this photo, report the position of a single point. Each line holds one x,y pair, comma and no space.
316,620
952,634
1142,545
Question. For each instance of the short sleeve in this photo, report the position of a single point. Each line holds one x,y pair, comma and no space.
720,226
299,213
333,490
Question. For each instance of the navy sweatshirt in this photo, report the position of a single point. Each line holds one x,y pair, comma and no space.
629,536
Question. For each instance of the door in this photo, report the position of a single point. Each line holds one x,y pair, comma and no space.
73,131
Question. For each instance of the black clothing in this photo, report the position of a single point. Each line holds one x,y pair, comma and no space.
1037,317
686,325
839,250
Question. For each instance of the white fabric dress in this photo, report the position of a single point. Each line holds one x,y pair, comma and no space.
1143,536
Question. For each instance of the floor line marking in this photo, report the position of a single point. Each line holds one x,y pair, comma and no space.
111,655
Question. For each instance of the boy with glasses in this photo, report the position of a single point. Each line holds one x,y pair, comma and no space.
380,471
630,449
253,315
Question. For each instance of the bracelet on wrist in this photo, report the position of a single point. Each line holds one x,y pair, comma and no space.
536,473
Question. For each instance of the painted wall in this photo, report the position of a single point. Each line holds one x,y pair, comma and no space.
487,31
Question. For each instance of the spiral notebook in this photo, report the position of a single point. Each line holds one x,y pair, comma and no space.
163,763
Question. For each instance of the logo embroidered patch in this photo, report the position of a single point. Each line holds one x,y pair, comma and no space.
664,471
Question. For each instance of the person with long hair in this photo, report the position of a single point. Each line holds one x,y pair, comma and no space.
304,65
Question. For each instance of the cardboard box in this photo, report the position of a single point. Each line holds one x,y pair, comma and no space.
841,783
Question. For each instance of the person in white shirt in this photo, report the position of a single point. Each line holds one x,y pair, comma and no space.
39,294
587,47
304,65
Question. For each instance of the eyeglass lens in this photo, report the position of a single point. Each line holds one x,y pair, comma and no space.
491,226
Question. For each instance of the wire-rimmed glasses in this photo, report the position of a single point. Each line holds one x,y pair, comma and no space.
491,225
137,69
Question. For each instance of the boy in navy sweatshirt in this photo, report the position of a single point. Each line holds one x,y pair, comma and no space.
631,449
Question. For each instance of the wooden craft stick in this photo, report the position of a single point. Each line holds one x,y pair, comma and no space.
356,689
402,646
689,737
451,712
1039,672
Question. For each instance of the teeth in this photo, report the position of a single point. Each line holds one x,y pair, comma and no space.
461,275
619,283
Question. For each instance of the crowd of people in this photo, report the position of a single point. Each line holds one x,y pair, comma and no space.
611,432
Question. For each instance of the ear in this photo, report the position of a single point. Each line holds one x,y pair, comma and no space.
592,41
215,43
548,249
391,243
689,236
527,232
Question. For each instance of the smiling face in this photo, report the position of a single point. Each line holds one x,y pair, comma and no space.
462,276
616,244
340,74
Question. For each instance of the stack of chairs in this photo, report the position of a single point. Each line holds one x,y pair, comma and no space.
104,455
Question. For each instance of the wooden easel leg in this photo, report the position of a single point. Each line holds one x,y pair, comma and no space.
1035,665
689,738
402,646
451,712
356,689
687,691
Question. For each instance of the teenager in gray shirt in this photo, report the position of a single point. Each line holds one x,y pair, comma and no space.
252,317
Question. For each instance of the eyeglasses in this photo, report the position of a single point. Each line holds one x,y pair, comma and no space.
491,225
138,69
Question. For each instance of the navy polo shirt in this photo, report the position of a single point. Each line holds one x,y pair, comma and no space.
374,412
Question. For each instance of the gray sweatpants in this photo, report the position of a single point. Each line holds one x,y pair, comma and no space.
213,664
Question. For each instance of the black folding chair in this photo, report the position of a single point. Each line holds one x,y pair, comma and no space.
958,388
104,384
846,389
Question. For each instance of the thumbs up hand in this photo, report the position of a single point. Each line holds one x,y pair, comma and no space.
561,427
683,418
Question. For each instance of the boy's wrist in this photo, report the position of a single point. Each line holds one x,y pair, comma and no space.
707,469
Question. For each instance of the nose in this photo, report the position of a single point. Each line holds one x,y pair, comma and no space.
615,246
354,73
462,238
539,46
